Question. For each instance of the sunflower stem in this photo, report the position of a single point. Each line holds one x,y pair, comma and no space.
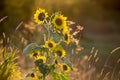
44,37
48,29
44,77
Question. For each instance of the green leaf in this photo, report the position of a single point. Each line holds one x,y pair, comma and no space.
56,36
29,49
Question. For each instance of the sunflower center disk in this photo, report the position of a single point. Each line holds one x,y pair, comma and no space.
40,60
59,53
56,62
32,75
35,54
41,16
66,37
65,67
50,45
58,21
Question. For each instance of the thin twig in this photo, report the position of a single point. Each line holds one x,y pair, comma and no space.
3,18
19,25
114,50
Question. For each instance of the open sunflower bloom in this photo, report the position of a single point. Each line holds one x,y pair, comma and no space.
50,44
40,16
59,21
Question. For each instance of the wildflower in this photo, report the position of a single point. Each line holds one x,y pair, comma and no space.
33,76
59,21
56,61
50,44
65,30
65,68
35,54
41,59
40,16
59,51
67,37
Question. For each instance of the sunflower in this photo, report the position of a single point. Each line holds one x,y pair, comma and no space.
50,44
65,30
67,37
65,68
56,62
33,76
59,21
41,59
59,51
35,54
40,16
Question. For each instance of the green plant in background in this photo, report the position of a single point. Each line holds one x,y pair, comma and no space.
50,57
8,68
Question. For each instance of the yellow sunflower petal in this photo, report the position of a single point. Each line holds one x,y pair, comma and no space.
41,59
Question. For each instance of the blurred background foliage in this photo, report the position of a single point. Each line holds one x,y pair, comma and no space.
16,11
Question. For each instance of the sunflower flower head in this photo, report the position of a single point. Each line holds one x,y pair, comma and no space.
32,76
65,30
59,51
65,68
67,37
56,62
41,59
59,21
40,16
50,44
34,54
